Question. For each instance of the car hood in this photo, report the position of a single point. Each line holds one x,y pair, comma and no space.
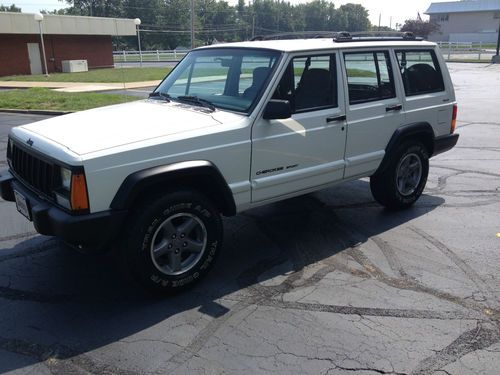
107,127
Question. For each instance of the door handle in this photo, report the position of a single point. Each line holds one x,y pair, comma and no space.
396,107
336,118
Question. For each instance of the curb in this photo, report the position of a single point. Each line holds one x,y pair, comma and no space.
35,112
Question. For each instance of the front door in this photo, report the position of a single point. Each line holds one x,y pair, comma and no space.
34,57
305,151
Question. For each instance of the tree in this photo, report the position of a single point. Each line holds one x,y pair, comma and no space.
318,15
12,8
95,8
352,17
420,28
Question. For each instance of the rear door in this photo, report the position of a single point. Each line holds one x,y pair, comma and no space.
426,99
305,151
374,108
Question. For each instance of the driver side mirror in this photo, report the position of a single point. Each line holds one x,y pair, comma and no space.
277,109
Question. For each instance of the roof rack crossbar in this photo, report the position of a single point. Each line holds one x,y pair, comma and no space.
344,36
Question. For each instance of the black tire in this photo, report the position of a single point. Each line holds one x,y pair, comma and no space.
158,217
384,185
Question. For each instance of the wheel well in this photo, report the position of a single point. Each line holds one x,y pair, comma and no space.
419,132
424,138
201,176
201,184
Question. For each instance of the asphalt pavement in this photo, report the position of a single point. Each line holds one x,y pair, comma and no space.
327,283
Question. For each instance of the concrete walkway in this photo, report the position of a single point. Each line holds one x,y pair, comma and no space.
79,86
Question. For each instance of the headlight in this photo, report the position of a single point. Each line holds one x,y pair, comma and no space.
66,178
72,193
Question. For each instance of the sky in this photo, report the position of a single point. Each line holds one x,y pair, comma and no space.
399,10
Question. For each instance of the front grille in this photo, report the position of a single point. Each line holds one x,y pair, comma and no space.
37,173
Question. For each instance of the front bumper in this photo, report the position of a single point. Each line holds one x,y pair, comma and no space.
85,231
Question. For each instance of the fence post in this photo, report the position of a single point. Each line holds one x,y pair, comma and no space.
175,54
157,55
480,50
124,56
449,51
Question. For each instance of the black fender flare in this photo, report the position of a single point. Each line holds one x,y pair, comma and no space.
190,172
421,131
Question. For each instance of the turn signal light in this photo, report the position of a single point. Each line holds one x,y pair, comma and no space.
79,198
454,118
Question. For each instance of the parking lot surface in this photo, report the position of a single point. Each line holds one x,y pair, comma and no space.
327,283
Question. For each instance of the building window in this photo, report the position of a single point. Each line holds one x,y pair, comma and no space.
443,17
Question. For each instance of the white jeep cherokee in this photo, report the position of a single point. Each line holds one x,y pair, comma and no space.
232,127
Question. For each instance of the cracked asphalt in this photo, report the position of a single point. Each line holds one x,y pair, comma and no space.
327,283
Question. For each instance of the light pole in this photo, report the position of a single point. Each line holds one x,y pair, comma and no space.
192,24
39,19
137,23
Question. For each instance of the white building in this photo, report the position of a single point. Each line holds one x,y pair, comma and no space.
466,21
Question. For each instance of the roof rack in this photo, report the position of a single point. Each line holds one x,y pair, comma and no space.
303,35
344,36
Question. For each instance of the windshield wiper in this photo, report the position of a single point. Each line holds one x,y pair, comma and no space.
161,95
195,100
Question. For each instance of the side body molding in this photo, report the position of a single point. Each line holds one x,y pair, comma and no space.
421,131
200,174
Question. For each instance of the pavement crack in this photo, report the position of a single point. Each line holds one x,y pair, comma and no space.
369,311
464,267
50,244
59,359
29,296
26,235
478,338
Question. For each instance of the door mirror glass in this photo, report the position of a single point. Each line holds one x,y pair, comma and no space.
277,109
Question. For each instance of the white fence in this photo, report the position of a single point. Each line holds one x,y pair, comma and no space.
158,55
459,51
452,51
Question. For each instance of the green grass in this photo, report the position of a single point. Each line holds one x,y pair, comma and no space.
45,99
361,73
98,75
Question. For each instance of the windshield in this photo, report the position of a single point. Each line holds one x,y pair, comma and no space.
226,78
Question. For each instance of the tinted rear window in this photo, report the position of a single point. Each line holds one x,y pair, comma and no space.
420,72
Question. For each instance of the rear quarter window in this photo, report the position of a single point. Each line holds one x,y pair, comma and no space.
420,72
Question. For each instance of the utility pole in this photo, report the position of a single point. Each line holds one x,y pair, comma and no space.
379,20
278,26
496,58
192,24
253,25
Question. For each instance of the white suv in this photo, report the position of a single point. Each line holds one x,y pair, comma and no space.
232,127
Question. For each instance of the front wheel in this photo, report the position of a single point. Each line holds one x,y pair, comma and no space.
403,181
173,241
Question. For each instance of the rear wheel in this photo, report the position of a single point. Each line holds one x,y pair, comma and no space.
173,241
403,181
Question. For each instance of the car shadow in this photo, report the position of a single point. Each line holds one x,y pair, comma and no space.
59,303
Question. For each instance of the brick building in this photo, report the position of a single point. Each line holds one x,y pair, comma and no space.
65,38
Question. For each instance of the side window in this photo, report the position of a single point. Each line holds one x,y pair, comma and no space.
369,76
420,72
309,83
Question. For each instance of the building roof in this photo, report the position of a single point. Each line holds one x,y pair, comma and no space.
464,6
24,23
